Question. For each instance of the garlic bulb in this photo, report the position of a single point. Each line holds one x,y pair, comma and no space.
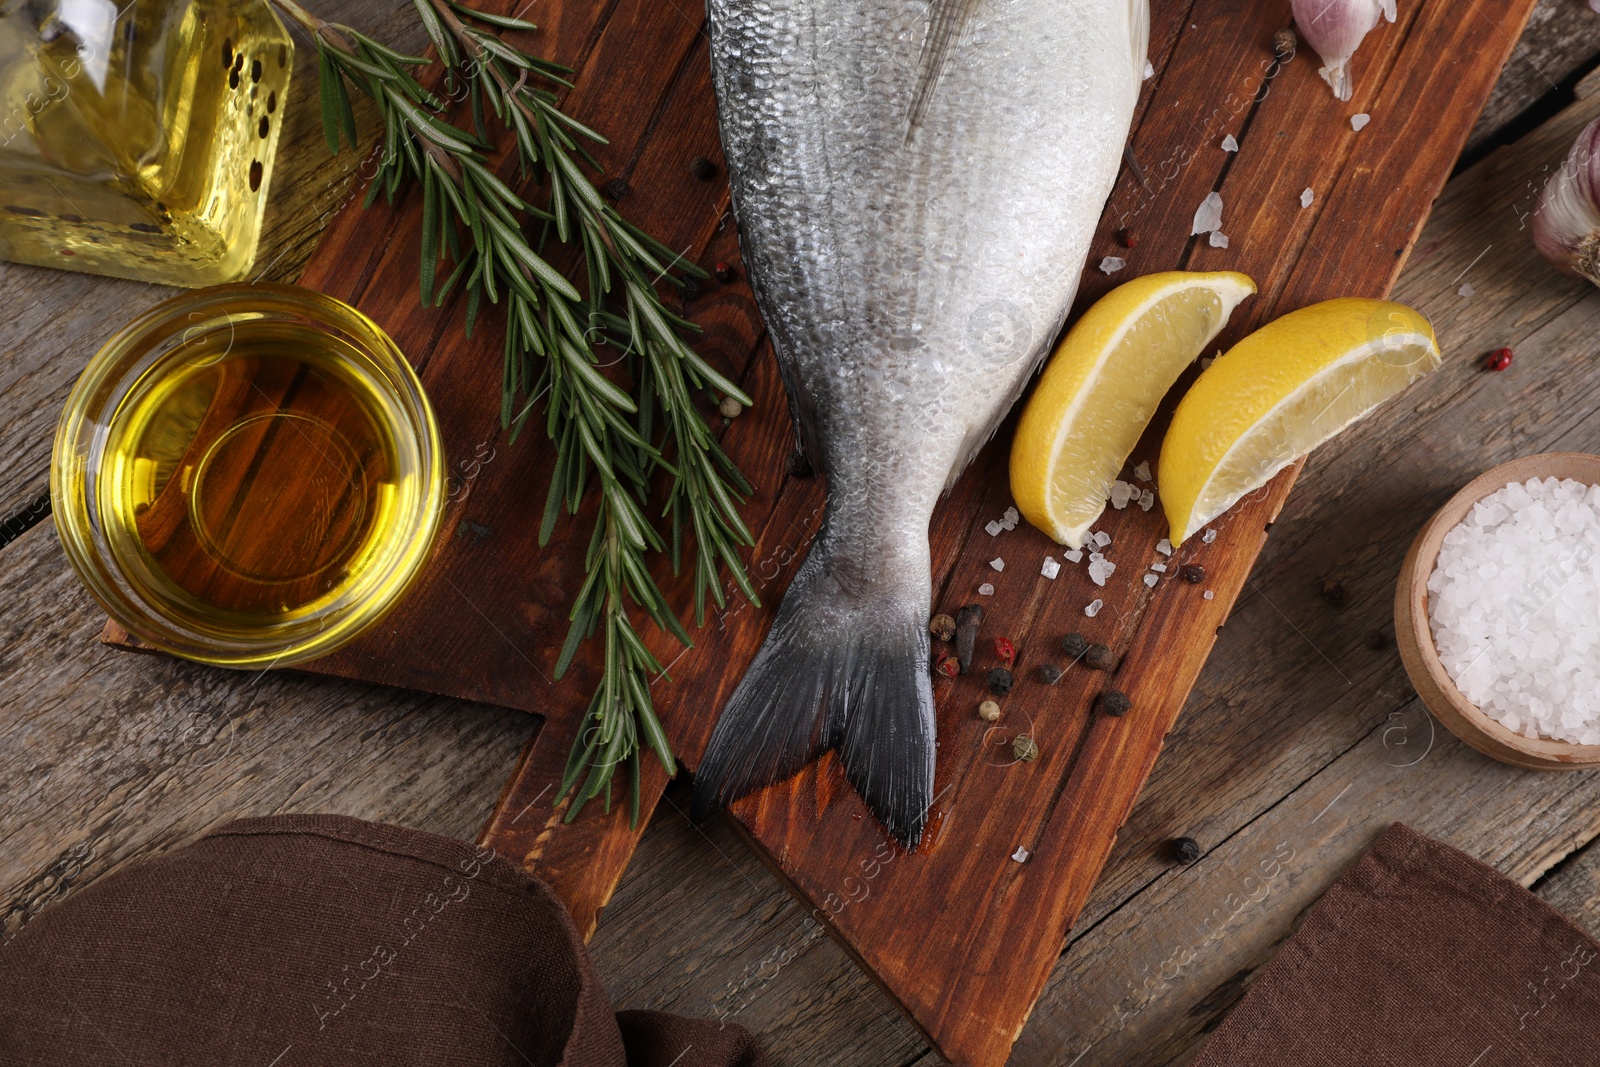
1335,28
1566,226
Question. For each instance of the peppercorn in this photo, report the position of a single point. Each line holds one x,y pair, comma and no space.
968,619
1283,44
1126,239
1075,645
1185,849
999,681
730,408
1499,359
702,168
1005,651
616,188
799,465
1048,673
1025,748
723,272
1114,703
949,666
1333,592
942,626
988,711
1377,640
1100,658
1193,573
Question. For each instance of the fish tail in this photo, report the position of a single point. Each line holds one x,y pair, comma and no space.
837,671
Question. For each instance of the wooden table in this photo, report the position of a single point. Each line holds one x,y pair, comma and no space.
1302,741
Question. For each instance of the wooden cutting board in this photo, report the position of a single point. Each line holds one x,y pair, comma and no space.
964,933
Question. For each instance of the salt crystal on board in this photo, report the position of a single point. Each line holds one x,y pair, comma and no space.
1149,70
1092,608
998,564
1151,580
986,589
1159,568
1121,493
1051,568
1359,122
1208,216
1142,471
1210,595
1010,517
1102,539
1112,264
1074,555
1306,197
1208,537
1147,500
1229,144
1021,854
1218,239
1465,290
1164,546
993,528
1100,570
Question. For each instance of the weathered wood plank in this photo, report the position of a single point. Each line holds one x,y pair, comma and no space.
111,757
1559,41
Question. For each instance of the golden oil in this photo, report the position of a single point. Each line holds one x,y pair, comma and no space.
248,475
137,136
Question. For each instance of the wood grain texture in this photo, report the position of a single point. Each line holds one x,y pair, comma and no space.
1556,45
468,632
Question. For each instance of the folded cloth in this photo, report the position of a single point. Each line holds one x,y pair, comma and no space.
1420,955
316,939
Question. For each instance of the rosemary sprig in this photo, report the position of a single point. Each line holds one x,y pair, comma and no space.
602,433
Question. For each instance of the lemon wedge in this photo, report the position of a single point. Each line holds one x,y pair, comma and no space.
1281,392
1101,388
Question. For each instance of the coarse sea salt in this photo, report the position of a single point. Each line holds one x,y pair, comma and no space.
1147,500
1112,264
1051,568
1306,196
1101,539
1121,493
1151,580
1229,144
986,589
1164,546
1208,537
1142,471
1359,122
1074,555
1208,216
998,564
993,528
1514,605
1092,608
1100,569
1218,239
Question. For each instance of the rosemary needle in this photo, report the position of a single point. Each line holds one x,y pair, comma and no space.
607,438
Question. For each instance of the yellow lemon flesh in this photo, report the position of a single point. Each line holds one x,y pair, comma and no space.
1281,392
1101,388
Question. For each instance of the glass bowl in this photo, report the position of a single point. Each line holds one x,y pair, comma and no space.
248,475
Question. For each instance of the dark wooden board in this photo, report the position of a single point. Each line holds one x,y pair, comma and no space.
960,934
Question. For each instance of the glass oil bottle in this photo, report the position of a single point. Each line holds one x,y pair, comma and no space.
137,136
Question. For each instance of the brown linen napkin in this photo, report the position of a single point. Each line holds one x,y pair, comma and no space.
307,940
1421,955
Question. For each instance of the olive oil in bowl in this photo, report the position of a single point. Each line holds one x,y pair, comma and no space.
248,475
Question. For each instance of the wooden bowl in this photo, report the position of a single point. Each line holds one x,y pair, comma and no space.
1415,638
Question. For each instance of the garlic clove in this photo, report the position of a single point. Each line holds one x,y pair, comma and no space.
1335,29
1566,225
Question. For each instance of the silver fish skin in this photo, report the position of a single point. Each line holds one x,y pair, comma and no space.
917,183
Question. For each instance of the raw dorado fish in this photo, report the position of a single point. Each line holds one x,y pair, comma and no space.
917,185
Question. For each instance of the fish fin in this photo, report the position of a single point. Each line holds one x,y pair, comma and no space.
946,20
831,674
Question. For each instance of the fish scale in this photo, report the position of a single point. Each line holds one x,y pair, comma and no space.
916,185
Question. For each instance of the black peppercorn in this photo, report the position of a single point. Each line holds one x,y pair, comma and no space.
1074,645
1048,673
1114,703
1284,43
1333,592
616,188
999,681
1193,573
799,465
702,168
1186,849
968,619
1100,658
723,272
